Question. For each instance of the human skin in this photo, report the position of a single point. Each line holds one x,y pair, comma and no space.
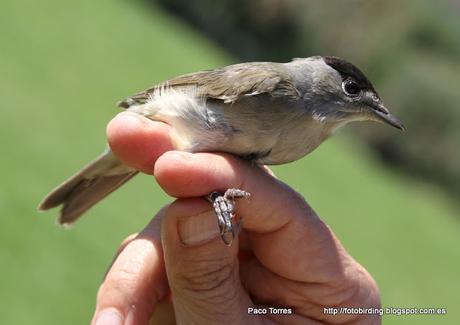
177,269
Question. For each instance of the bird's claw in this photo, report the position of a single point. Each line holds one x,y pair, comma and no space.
224,206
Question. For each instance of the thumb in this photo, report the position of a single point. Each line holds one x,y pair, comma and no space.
202,271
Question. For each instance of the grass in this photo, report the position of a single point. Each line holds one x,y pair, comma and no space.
63,65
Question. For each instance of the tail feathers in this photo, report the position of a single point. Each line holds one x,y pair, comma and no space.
90,185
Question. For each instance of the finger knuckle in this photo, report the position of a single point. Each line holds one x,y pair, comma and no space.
209,277
121,280
295,198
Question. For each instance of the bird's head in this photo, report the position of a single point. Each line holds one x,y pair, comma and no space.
340,92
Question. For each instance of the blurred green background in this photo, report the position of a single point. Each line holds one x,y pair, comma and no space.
63,65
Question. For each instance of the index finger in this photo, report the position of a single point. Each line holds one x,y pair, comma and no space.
285,234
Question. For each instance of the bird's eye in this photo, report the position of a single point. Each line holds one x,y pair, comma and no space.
351,88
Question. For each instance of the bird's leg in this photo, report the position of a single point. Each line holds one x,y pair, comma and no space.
224,206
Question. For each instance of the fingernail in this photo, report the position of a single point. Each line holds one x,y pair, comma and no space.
198,229
109,316
134,118
179,155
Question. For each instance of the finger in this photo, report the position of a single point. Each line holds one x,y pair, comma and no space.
136,281
183,174
308,299
202,271
138,141
120,249
281,224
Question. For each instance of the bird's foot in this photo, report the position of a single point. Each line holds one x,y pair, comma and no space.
224,206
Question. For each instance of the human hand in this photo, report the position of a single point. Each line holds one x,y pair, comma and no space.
285,257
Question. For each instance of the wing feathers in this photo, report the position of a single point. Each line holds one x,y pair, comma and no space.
229,84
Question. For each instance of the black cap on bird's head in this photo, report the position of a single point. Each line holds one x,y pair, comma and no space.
358,89
349,71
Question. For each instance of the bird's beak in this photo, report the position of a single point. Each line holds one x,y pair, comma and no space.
382,114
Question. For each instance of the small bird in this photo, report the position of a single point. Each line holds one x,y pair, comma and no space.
265,112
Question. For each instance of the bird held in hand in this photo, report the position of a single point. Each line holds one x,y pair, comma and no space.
269,113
